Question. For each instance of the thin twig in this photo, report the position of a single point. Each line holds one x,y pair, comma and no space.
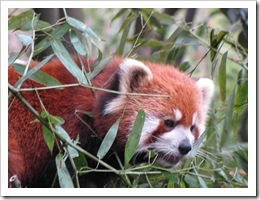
91,87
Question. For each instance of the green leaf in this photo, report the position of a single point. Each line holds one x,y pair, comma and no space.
241,158
77,24
120,13
100,67
131,16
20,20
176,34
80,161
93,35
47,134
228,123
56,120
43,25
215,42
121,46
198,144
64,177
48,137
100,55
134,136
12,58
202,182
191,181
31,24
26,40
73,152
32,71
108,140
67,61
82,27
77,43
222,77
241,97
164,18
46,42
184,66
39,77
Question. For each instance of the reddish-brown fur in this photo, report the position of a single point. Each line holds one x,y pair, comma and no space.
28,153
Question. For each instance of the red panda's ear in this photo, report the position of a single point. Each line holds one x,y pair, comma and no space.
206,86
132,75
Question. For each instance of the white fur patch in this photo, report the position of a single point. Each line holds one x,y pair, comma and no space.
206,86
127,67
194,118
150,124
114,105
178,114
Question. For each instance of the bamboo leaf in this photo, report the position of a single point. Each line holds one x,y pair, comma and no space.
32,71
48,137
184,66
80,161
77,43
35,75
12,58
164,18
198,144
82,27
108,140
215,42
47,134
121,46
222,77
241,97
67,61
73,152
18,21
64,177
100,67
26,40
134,136
191,181
120,13
56,120
46,42
92,34
77,24
228,120
43,25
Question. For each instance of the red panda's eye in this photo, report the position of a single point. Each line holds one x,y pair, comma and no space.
192,128
170,123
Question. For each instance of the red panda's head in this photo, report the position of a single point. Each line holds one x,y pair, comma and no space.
172,125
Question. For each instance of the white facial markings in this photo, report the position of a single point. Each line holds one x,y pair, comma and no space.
115,105
178,114
150,125
201,129
194,118
176,136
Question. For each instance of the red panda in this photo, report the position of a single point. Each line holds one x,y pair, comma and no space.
171,128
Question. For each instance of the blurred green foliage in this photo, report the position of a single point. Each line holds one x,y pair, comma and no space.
213,44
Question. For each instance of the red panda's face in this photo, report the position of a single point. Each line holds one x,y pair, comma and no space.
173,124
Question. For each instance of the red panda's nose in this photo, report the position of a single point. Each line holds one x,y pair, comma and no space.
185,147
